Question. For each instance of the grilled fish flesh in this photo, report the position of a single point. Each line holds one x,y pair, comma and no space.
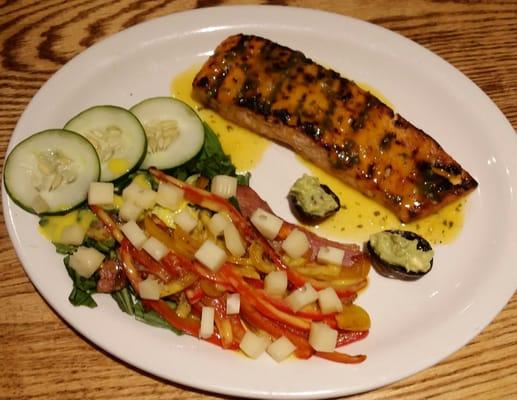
332,122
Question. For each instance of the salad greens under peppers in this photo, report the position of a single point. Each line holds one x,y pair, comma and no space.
209,162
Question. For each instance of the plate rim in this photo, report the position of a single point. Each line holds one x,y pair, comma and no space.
112,39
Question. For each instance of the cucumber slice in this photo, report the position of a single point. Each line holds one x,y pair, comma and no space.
175,133
116,134
50,172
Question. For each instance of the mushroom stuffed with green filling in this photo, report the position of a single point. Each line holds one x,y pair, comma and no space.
312,202
400,254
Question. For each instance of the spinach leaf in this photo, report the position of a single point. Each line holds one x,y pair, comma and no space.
124,300
82,287
209,162
104,246
151,317
64,248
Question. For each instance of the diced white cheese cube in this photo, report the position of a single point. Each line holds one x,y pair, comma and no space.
149,289
275,283
233,303
329,301
266,223
185,220
86,260
217,223
301,297
210,255
169,196
72,234
322,337
100,193
207,322
281,348
129,211
134,234
224,186
330,255
233,241
155,248
253,345
296,244
146,199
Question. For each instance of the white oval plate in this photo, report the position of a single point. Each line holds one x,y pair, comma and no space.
415,324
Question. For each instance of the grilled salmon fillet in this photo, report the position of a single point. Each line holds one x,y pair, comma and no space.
332,122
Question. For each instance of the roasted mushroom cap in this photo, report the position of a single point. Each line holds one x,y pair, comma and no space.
404,269
306,216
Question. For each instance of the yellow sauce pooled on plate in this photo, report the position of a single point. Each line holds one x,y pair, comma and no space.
359,216
246,148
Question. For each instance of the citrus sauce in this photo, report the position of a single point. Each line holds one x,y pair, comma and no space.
245,147
359,216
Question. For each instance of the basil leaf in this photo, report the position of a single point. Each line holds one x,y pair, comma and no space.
79,297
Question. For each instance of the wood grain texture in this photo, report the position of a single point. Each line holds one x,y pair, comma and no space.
41,357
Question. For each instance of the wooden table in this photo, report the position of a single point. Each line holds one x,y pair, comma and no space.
41,357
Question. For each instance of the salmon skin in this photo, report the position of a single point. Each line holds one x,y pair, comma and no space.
332,122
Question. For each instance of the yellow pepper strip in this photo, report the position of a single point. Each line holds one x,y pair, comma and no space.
178,285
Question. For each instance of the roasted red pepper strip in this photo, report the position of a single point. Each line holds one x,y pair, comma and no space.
347,337
341,357
129,267
303,348
151,265
108,221
186,325
262,305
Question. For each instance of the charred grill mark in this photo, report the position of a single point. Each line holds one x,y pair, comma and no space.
333,122
386,141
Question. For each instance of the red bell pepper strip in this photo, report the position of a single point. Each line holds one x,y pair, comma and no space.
266,308
341,357
129,267
152,266
186,325
249,313
108,221
347,337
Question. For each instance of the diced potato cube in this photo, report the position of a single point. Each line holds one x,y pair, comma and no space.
86,260
207,322
296,244
266,223
169,196
322,337
233,303
330,255
224,186
275,283
134,234
217,223
150,289
281,348
100,193
210,255
72,234
155,248
253,345
185,220
129,211
301,297
132,191
233,241
329,301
